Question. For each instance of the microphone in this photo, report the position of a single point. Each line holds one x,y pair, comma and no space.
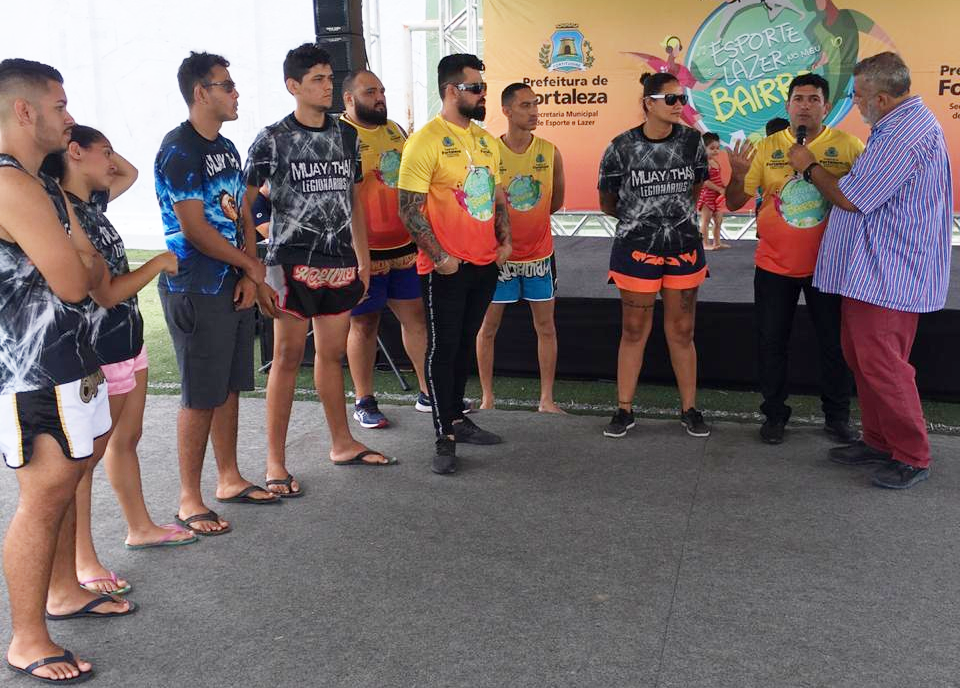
801,134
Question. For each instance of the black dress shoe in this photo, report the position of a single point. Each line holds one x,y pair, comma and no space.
841,431
897,475
859,454
445,460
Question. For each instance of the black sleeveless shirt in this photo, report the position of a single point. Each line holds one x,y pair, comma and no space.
44,341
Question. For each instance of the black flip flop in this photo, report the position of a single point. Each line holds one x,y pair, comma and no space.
358,459
86,611
207,516
243,497
287,482
66,658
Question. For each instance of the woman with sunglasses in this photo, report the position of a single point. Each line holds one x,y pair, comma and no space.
650,178
92,174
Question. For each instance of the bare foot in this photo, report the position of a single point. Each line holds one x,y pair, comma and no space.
188,510
281,474
344,455
155,533
709,247
74,601
22,657
722,245
227,490
98,579
486,404
550,407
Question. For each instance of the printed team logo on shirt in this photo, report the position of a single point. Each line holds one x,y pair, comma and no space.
800,204
540,162
523,192
447,141
777,154
476,197
388,170
831,152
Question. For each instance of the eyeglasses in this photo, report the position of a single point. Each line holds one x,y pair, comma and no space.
476,89
228,85
671,98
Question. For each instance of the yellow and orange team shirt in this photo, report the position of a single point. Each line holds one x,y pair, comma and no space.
459,170
528,184
793,214
380,151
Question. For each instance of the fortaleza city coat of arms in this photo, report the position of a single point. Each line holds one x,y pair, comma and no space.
566,51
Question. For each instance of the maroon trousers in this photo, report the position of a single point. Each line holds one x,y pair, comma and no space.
876,345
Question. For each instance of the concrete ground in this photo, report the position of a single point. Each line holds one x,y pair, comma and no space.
560,558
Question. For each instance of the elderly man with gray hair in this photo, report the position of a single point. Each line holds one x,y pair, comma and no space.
886,251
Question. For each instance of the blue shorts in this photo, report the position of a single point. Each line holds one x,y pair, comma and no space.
401,284
535,280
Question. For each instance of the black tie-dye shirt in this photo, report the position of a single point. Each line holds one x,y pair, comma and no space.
311,173
653,181
119,330
44,341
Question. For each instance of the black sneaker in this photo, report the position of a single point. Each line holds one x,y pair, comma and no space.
466,431
897,475
771,431
858,454
840,431
692,420
620,423
445,460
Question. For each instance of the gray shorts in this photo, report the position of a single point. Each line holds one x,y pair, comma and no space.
213,343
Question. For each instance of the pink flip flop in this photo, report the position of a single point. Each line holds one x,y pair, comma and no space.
89,587
168,539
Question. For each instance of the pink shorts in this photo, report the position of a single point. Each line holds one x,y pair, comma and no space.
121,377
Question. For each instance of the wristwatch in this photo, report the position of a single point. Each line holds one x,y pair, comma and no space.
806,172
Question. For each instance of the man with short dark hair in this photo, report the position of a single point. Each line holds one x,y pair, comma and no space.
208,303
53,398
886,253
790,224
317,256
393,255
532,173
452,205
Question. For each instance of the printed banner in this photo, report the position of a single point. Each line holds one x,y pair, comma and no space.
735,59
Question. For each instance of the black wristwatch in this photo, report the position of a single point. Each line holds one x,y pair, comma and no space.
806,172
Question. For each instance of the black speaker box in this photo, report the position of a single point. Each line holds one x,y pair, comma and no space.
332,17
347,53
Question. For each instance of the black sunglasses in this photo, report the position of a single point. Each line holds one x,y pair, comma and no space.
476,89
227,85
671,98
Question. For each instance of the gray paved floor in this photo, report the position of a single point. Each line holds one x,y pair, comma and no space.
559,559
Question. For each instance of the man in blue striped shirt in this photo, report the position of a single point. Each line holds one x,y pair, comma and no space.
886,251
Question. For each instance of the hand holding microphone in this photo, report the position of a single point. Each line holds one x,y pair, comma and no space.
800,157
801,134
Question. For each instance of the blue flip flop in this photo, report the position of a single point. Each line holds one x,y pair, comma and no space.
66,658
87,611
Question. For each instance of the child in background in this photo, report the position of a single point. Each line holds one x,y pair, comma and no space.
710,203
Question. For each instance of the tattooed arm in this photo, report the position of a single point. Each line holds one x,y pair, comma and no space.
411,213
501,227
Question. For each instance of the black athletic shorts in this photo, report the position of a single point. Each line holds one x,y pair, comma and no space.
305,291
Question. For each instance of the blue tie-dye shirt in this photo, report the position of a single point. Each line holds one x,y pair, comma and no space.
190,167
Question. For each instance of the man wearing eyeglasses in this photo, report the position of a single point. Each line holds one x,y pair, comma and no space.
452,205
790,225
208,304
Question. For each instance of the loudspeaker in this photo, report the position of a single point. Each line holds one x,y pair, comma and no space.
347,53
337,16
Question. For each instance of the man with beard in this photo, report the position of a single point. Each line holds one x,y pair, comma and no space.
452,204
393,255
790,224
532,173
208,303
886,253
53,398
317,257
